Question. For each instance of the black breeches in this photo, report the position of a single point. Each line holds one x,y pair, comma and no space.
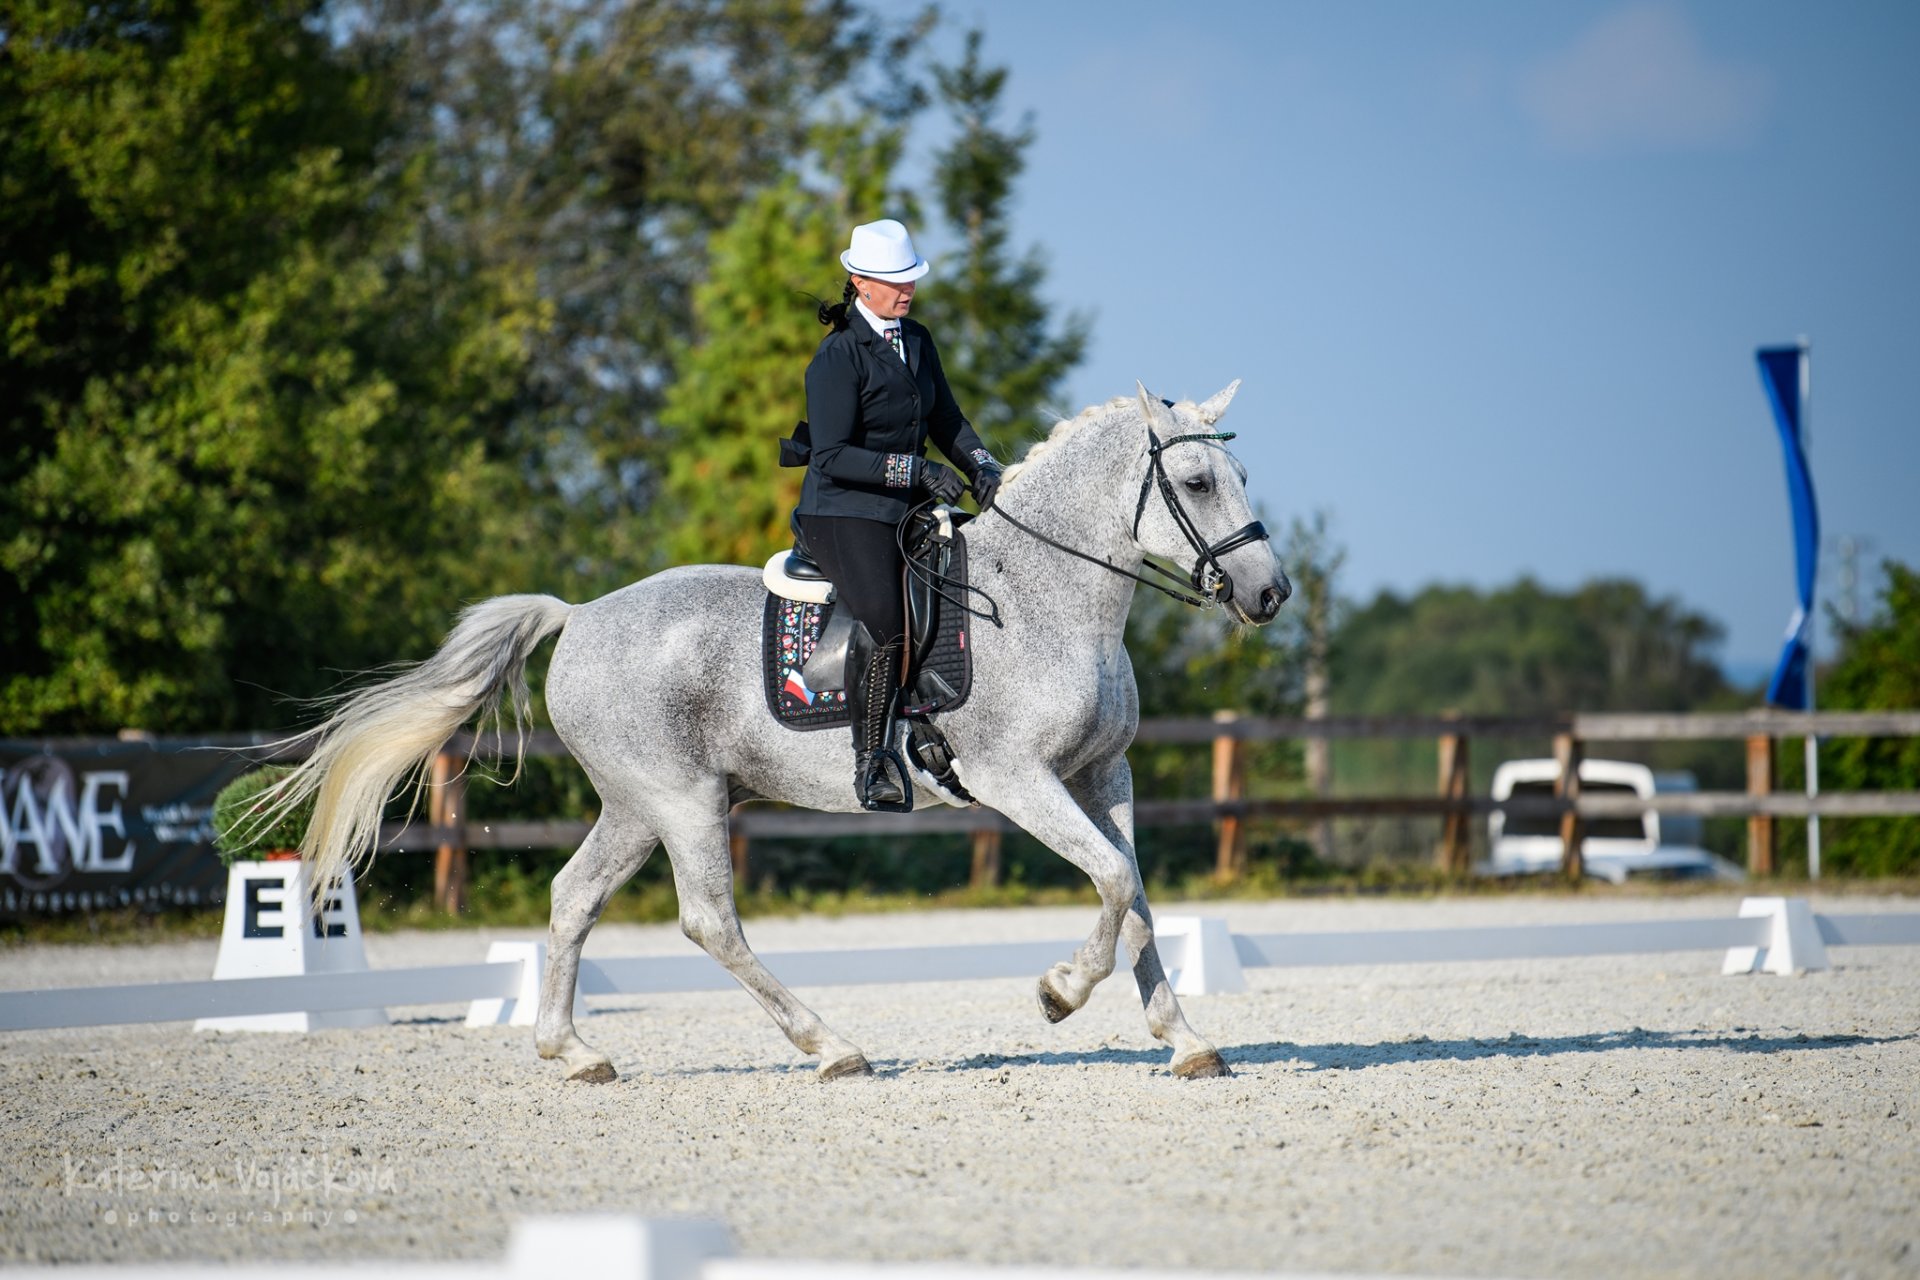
862,557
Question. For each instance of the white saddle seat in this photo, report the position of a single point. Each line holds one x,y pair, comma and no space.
788,587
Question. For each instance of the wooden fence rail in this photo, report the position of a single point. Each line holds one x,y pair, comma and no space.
450,834
1606,726
1229,809
775,822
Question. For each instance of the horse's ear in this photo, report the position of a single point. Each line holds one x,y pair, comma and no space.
1216,404
1154,409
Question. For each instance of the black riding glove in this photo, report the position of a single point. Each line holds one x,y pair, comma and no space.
986,483
941,482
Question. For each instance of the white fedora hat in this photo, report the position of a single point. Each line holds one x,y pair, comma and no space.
883,251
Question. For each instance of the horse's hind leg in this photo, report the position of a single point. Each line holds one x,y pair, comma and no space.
703,877
618,846
1105,794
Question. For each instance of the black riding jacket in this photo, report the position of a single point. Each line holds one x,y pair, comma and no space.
869,418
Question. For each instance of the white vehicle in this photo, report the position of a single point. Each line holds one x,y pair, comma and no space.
1613,848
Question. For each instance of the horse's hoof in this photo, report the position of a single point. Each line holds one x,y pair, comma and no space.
854,1064
1052,1007
594,1073
1202,1066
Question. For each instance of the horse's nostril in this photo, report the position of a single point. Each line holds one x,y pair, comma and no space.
1271,599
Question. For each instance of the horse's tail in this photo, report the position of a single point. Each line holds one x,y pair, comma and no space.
380,734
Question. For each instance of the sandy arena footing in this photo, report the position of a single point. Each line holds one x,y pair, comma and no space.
1640,1116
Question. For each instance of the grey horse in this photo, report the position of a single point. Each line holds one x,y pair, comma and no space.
656,689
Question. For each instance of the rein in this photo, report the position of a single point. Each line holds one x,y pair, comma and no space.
935,580
1208,577
1108,565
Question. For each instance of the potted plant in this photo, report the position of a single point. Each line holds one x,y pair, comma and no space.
246,827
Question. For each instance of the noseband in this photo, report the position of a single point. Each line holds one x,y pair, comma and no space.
1209,578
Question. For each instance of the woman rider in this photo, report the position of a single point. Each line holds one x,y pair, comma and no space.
875,395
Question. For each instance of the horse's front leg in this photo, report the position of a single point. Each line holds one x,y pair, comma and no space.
1054,815
1060,824
1105,793
1042,806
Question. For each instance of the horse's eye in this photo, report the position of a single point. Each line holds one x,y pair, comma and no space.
1198,485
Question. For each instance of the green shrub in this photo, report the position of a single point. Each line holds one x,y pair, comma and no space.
239,834
1878,669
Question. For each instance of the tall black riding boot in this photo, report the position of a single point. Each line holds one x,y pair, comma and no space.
873,686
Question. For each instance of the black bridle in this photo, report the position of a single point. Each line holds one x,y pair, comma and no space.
1209,578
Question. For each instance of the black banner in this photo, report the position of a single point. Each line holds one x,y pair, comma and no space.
89,826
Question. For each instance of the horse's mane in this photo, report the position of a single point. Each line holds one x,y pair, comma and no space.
1064,430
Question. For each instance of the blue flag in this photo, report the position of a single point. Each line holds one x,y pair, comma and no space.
1780,374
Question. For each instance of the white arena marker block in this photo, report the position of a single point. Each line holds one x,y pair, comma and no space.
1207,964
541,1248
522,1008
1793,945
266,934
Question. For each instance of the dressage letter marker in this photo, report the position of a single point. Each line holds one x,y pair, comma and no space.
265,936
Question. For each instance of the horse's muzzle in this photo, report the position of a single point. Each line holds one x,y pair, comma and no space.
1267,607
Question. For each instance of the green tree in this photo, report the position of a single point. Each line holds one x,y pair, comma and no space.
1315,561
252,413
739,385
1525,649
1520,650
997,341
599,148
1878,670
1193,662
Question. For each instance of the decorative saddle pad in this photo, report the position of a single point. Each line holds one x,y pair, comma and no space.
789,632
791,628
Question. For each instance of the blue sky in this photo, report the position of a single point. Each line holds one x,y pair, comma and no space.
1493,273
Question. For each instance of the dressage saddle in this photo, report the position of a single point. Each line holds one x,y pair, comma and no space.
934,557
795,575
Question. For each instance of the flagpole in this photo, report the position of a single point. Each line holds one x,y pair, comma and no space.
1813,615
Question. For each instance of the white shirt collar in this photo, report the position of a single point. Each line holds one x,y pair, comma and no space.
879,326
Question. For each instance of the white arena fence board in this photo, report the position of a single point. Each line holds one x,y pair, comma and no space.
659,975
1185,946
782,1269
1509,942
541,1248
372,1270
1869,931
239,997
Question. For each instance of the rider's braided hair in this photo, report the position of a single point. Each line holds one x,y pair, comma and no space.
836,315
